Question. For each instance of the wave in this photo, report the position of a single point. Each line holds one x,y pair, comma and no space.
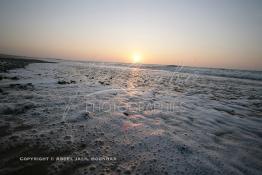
228,73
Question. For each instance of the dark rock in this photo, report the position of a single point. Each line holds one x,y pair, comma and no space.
101,82
14,78
62,82
92,168
127,172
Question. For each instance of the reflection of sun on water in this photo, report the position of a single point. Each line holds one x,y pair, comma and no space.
136,57
134,74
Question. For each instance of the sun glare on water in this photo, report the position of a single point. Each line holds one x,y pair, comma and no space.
136,57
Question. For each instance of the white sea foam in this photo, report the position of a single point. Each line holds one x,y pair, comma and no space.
153,120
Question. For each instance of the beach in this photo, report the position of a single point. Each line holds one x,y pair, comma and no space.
72,117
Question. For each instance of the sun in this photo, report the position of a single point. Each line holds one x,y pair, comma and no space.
136,57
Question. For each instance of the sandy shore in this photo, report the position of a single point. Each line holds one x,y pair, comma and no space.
91,118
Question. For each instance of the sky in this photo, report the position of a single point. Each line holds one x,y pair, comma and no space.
202,33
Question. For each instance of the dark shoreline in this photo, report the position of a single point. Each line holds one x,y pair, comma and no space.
8,62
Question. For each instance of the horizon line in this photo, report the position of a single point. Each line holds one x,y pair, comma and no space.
88,60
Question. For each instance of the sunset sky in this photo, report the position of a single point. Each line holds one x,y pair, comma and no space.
205,33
